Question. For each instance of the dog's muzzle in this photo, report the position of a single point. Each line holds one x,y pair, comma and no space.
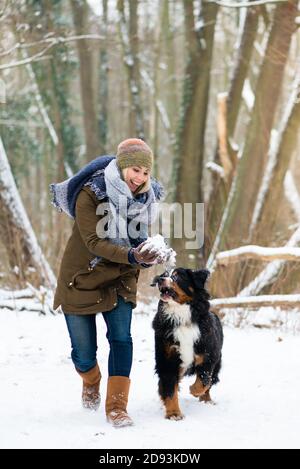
166,291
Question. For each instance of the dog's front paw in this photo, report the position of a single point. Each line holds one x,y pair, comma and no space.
175,416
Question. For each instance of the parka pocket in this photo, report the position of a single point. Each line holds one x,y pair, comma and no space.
100,276
81,292
84,297
130,284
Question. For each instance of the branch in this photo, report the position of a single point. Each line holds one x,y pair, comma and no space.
21,306
4,8
258,252
245,4
254,302
15,294
26,61
29,299
40,103
271,272
215,168
53,41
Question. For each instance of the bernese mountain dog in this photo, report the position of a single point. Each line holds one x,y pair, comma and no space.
188,337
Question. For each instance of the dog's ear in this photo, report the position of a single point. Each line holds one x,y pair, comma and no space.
154,281
199,277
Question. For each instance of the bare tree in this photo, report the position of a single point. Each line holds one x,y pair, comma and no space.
130,46
24,253
221,185
280,156
80,11
163,91
188,166
253,160
103,79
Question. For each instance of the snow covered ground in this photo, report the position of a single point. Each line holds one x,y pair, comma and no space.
257,398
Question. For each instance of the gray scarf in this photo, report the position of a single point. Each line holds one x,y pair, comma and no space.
129,216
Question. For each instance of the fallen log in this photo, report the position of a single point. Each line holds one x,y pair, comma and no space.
258,252
254,302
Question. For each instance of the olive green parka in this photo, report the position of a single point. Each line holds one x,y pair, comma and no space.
82,289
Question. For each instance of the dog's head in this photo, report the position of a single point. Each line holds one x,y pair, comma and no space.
181,285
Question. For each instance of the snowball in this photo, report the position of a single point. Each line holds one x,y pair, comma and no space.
157,245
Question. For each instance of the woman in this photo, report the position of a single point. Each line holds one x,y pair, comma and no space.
100,266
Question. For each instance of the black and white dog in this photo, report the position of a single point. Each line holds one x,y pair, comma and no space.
188,337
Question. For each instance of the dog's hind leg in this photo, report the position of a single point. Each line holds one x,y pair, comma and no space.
198,389
206,398
206,377
217,368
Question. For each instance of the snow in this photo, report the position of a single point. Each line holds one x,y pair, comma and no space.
10,294
215,168
157,244
256,300
264,317
96,6
29,299
257,397
248,95
163,114
39,101
259,251
199,24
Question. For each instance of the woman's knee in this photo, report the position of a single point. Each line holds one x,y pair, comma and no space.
119,335
83,335
118,322
82,362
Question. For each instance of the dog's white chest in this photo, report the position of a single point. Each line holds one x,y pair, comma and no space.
185,332
187,335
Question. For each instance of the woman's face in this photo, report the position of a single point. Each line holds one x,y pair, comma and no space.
135,176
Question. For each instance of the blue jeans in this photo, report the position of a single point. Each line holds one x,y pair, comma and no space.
83,335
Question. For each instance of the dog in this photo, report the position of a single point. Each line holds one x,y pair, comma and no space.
188,337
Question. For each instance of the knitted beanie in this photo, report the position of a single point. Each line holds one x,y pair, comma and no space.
134,152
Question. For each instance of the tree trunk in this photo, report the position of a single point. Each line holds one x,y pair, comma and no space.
130,46
253,160
221,187
93,146
272,191
163,103
103,80
24,253
154,111
188,165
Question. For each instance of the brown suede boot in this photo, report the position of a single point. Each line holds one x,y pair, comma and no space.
116,401
90,388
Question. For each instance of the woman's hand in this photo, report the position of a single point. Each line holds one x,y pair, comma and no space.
145,257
